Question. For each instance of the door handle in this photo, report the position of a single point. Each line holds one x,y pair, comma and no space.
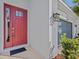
8,37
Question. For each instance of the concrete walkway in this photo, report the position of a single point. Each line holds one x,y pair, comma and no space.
29,54
8,57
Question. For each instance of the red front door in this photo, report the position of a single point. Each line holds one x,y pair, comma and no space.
15,26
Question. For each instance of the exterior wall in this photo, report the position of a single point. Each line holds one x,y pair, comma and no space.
77,23
39,27
60,7
53,30
38,22
70,16
1,27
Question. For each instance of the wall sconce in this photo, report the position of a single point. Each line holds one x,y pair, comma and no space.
54,18
56,15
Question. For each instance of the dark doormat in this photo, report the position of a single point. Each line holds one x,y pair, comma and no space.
15,51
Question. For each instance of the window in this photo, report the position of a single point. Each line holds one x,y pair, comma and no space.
64,27
17,13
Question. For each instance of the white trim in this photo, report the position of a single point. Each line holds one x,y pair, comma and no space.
66,17
50,27
68,8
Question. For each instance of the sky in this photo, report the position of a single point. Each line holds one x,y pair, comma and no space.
69,2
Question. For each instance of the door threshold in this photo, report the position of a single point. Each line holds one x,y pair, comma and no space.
6,51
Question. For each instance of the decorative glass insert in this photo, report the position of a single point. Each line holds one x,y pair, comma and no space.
19,13
7,11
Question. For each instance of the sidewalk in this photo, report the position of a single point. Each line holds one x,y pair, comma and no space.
8,57
29,54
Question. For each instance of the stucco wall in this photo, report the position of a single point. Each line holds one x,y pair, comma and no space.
38,23
39,26
1,26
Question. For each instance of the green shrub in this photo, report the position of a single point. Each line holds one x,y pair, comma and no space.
70,47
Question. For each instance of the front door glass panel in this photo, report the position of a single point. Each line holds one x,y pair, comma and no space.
7,24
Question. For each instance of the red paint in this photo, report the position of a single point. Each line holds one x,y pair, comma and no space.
18,26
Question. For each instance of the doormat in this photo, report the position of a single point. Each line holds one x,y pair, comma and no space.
15,51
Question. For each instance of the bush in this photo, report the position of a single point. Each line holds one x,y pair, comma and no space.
70,47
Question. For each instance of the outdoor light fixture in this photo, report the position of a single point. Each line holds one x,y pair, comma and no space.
56,15
54,18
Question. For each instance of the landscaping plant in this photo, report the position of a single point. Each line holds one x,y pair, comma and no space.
70,47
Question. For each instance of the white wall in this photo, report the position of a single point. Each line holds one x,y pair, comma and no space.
54,28
19,3
39,26
1,26
38,23
65,11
